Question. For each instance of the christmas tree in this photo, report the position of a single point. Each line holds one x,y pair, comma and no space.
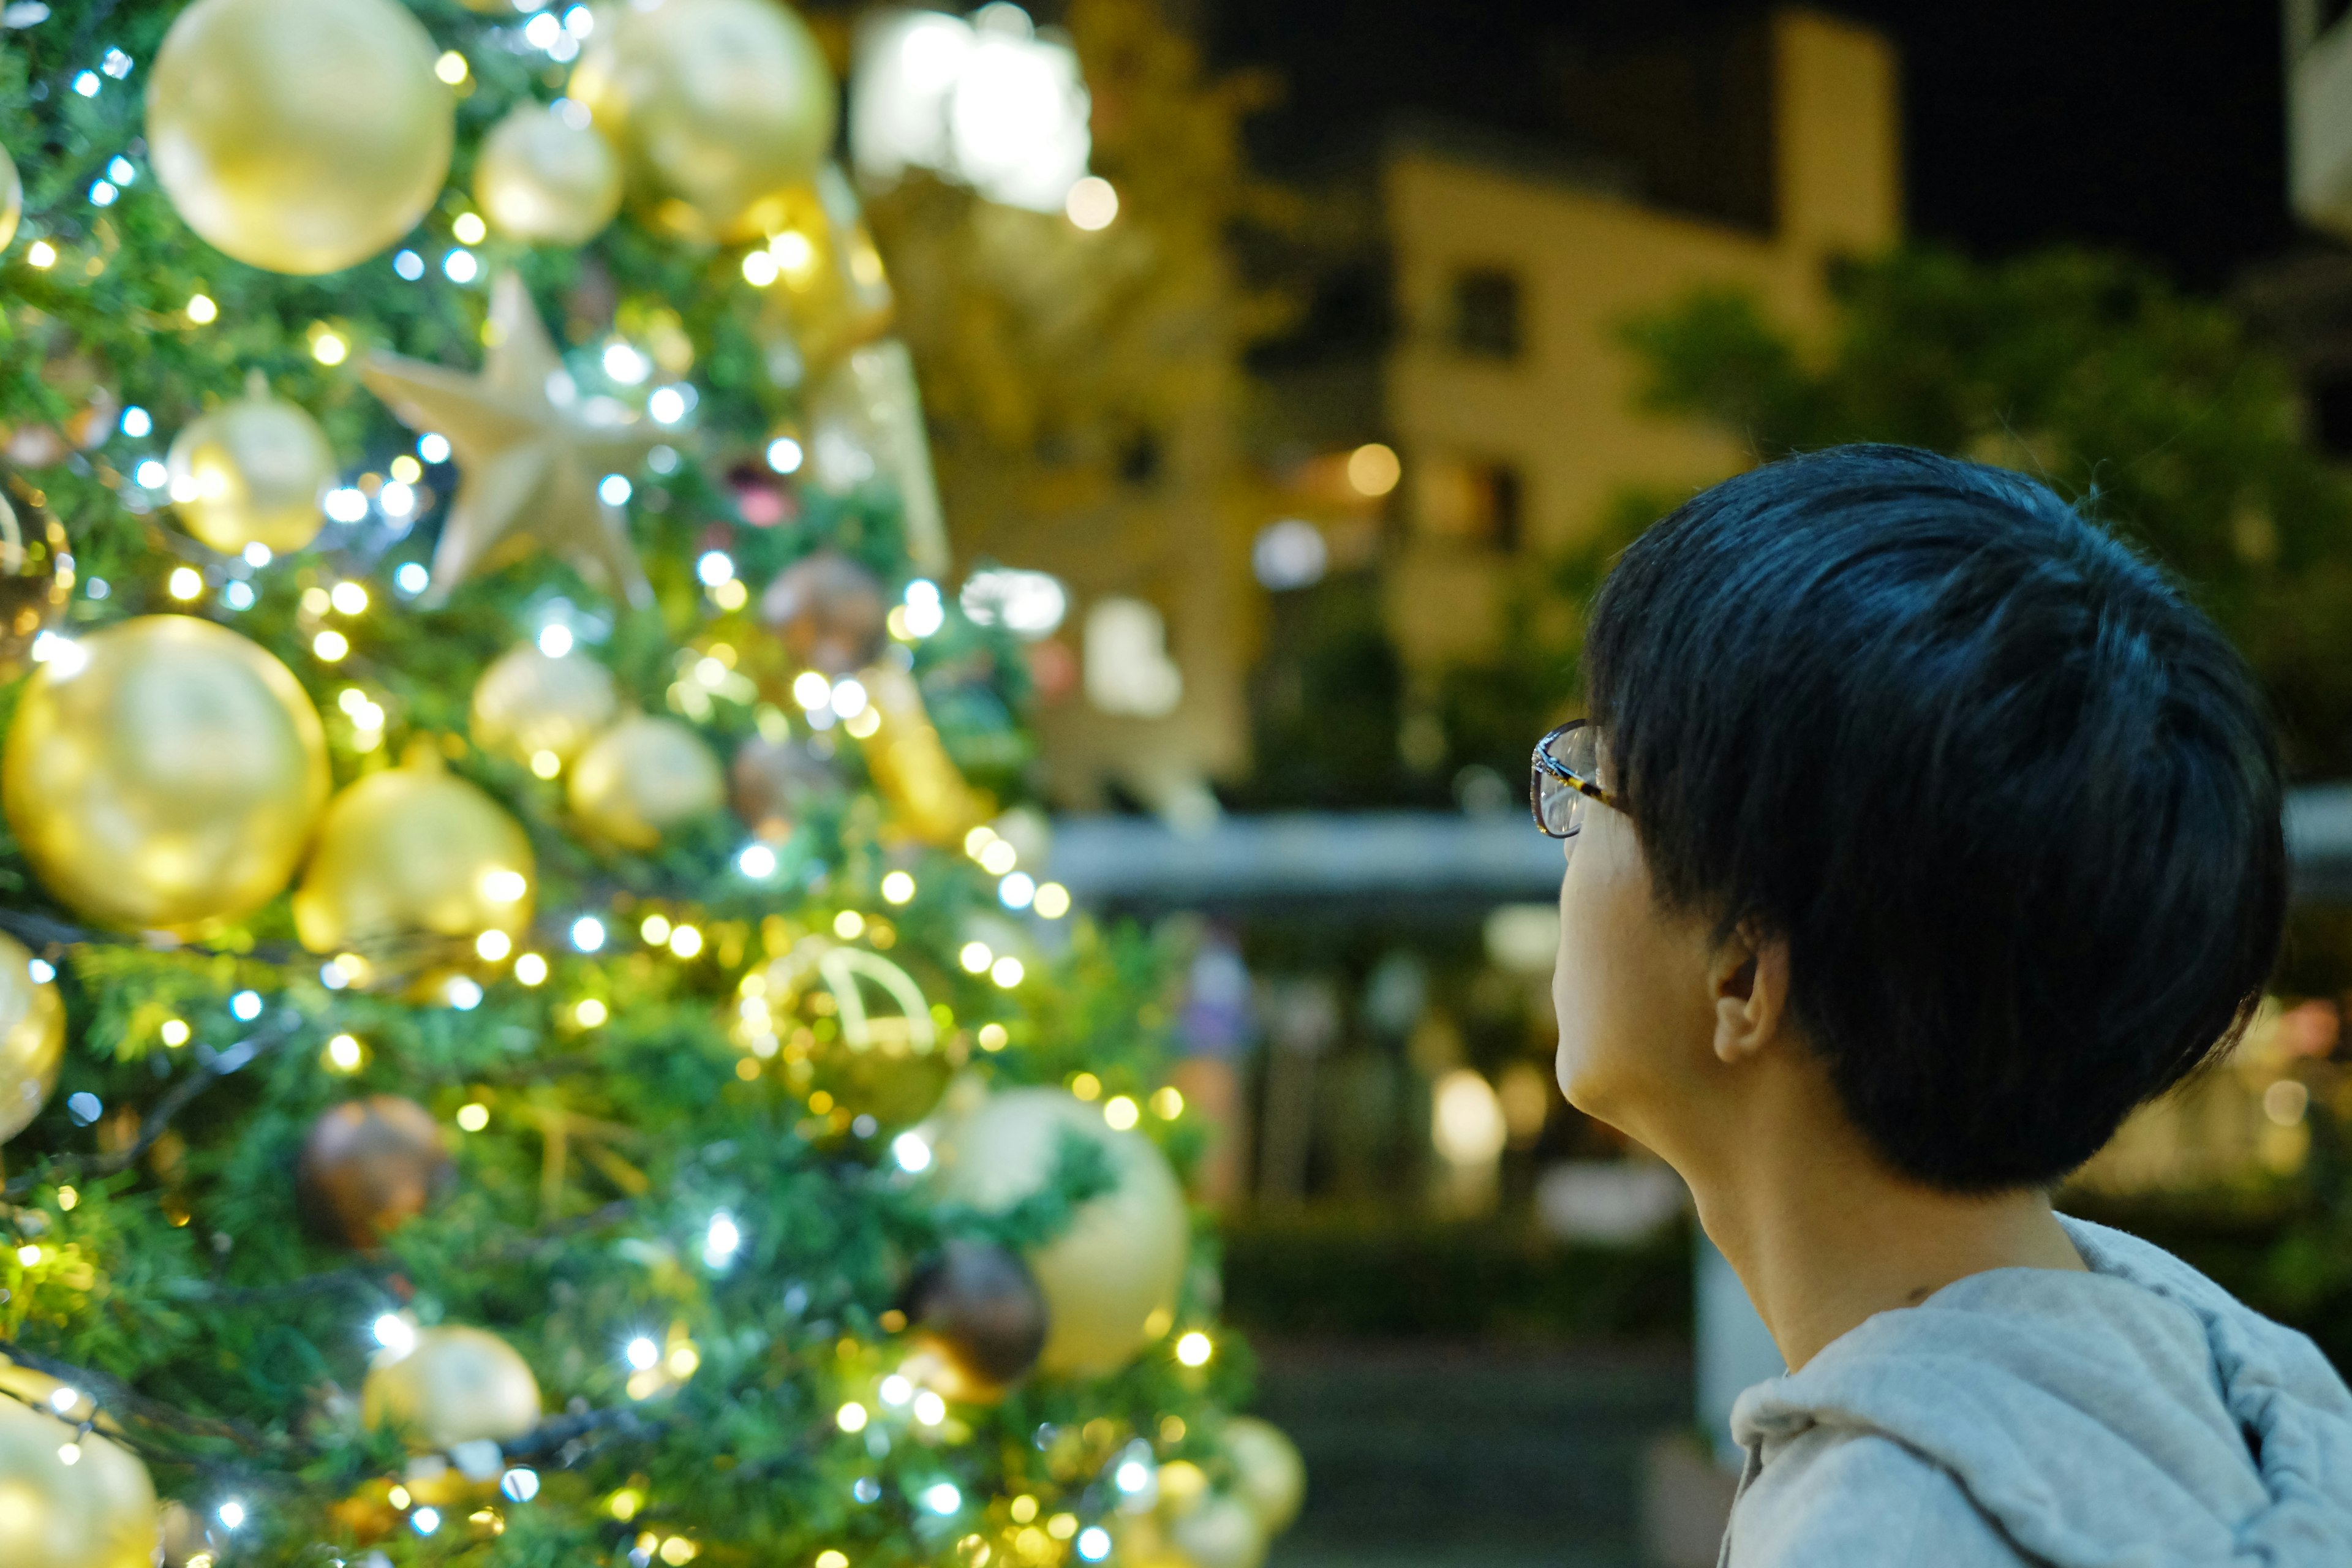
529,1029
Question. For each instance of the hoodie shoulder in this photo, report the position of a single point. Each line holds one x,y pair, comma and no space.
1846,1497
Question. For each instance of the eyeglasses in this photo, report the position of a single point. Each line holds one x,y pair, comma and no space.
1564,774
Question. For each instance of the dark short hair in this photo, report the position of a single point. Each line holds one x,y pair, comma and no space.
2012,802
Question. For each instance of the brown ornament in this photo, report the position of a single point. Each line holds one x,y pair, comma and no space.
979,1308
369,1166
829,613
771,781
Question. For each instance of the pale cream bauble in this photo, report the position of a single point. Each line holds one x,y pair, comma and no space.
458,1385
720,109
12,198
1220,1530
1111,1280
32,1036
544,180
412,851
1268,1472
643,777
528,703
300,136
163,774
99,1511
254,471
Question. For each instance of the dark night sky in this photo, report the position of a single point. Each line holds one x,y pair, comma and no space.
2151,125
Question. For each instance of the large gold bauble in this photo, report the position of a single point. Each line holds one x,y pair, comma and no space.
543,180
254,471
35,580
720,107
1110,1281
412,851
32,1037
458,1385
164,773
528,703
298,135
1268,1472
644,776
12,198
97,1512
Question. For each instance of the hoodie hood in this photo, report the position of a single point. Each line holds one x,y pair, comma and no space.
2137,1414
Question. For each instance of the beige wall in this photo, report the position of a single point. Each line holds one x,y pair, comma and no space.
1561,413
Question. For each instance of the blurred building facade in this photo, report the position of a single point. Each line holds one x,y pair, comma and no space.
1470,290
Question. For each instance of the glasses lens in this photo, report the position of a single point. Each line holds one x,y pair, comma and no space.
1579,752
1559,809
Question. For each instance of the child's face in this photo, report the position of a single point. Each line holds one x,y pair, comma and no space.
1631,990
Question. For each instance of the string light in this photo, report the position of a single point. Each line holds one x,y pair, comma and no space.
897,888
231,1514
785,455
493,945
530,969
829,1558
330,645
1194,1349
757,861
684,940
470,228
1007,972
175,1032
343,1053
328,347
348,597
546,764
759,269
67,1197
992,1037
642,1354
654,929
425,1521
1086,1085
1121,1112
997,856
1017,891
848,925
202,311
930,1408
186,582
1053,900
975,957
588,933
519,1484
943,1497
722,1240
473,1116
912,1152
895,1390
1166,1103
850,1417
41,255
590,1013
1094,1544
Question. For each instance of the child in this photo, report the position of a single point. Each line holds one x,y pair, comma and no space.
1918,833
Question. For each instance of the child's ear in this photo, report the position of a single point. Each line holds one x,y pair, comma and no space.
1749,977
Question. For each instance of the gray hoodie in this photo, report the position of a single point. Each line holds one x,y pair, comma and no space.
2134,1416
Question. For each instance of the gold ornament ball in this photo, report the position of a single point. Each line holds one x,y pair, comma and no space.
720,107
412,851
643,777
458,1385
1267,1470
298,135
1110,1281
12,198
164,773
32,1038
528,701
98,1512
1220,1532
543,180
35,583
254,471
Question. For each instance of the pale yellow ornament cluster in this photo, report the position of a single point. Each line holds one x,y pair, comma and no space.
304,136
